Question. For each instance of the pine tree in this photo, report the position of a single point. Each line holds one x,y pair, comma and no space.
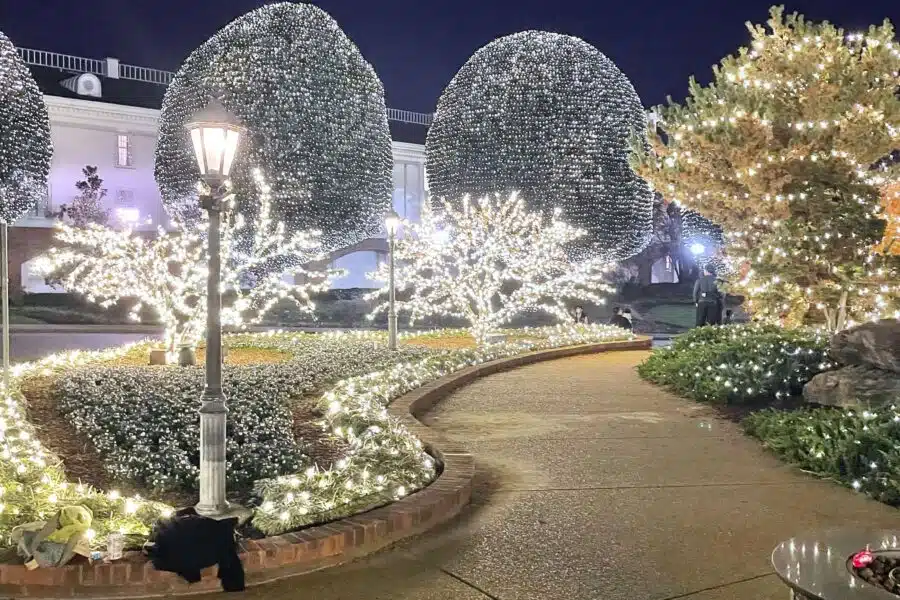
25,147
489,261
87,206
785,150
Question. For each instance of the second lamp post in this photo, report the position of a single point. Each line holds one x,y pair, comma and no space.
215,134
391,226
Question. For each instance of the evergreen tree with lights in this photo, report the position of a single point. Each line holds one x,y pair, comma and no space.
785,150
168,274
548,116
87,206
316,120
25,146
489,261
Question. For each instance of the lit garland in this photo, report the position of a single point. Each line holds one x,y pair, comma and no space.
316,119
785,150
168,274
488,262
550,116
25,146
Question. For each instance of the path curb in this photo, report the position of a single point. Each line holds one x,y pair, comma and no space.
317,547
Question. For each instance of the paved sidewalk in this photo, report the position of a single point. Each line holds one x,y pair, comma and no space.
594,485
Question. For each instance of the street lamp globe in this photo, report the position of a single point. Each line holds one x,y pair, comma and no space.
697,249
392,223
215,134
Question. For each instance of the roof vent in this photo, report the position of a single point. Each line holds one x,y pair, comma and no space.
86,84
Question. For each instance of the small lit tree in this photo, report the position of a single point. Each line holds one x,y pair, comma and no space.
168,274
488,262
87,207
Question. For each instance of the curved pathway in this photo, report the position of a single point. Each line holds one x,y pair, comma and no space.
595,485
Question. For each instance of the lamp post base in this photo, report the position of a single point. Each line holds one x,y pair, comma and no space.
222,513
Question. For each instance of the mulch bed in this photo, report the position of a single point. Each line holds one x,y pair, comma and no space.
879,573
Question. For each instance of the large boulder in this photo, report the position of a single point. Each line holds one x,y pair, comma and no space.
875,344
854,386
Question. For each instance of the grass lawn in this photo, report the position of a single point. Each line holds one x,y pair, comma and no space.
681,315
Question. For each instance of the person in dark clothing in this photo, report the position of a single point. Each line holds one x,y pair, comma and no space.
619,319
729,317
187,543
707,298
580,317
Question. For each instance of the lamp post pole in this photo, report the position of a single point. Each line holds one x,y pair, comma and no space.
392,306
214,133
213,413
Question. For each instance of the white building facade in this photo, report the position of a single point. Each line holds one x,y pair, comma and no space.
89,128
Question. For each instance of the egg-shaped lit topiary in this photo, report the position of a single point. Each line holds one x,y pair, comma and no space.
315,117
551,117
25,147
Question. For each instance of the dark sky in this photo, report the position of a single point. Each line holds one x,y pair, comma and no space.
416,46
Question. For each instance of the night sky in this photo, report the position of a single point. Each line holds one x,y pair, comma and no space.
416,46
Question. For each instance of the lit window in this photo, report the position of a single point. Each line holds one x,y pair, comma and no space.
123,150
668,263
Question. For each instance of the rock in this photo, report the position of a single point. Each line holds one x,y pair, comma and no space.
876,344
854,386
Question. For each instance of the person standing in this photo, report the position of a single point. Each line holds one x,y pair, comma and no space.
707,298
620,320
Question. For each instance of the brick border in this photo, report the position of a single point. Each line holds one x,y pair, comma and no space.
321,546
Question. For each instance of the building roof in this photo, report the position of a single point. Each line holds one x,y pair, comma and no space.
114,91
129,92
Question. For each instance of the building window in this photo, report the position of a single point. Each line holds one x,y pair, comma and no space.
123,150
668,263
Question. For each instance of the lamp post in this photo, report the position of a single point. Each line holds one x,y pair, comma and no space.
215,134
391,225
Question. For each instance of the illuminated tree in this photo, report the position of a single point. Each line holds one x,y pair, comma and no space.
489,261
550,117
316,119
781,150
168,274
25,146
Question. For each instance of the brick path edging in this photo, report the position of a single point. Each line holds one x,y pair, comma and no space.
317,547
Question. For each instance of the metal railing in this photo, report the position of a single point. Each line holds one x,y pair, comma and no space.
64,62
79,64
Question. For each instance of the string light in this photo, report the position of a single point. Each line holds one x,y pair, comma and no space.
316,117
786,151
488,262
25,146
550,116
168,274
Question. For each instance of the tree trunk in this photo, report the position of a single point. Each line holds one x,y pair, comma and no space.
842,312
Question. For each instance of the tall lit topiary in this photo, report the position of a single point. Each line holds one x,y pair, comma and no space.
549,116
25,146
316,117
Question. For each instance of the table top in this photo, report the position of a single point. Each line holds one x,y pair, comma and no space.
816,563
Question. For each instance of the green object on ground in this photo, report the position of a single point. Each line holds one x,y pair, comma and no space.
738,364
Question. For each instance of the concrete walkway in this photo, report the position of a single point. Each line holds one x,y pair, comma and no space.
594,485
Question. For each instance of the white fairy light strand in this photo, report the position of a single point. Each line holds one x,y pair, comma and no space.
316,123
489,261
551,117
